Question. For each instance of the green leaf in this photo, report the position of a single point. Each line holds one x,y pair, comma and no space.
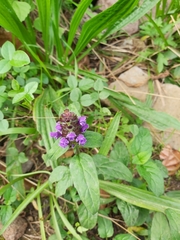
84,175
22,9
105,227
98,85
162,168
152,174
129,212
61,175
31,87
112,169
7,50
5,66
3,95
15,85
19,59
124,237
5,213
22,157
9,196
89,99
120,153
72,82
86,218
86,84
141,146
54,153
75,94
37,24
160,62
160,227
13,166
57,174
110,135
63,184
103,95
94,139
18,97
174,223
1,115
132,215
4,124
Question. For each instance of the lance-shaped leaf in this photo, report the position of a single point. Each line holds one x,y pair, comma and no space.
84,176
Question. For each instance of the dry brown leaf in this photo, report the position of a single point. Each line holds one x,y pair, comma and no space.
171,159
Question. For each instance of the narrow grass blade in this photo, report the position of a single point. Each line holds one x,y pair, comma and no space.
82,6
41,220
44,11
110,135
19,131
54,220
56,39
65,221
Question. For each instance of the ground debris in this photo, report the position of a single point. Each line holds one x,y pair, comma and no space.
171,159
16,230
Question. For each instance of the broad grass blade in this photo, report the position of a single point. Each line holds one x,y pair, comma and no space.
110,135
102,21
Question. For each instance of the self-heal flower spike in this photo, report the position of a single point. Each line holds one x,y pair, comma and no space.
70,129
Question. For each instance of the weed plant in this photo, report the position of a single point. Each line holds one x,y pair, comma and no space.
47,101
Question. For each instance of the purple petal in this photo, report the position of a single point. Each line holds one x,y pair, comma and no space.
83,128
82,120
63,142
71,136
58,127
81,139
55,135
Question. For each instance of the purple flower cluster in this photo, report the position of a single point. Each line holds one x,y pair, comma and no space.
70,129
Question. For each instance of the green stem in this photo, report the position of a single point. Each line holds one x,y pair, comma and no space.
41,220
54,219
13,117
77,150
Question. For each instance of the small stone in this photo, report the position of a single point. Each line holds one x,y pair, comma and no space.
131,28
26,167
16,230
139,93
104,4
134,77
171,106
